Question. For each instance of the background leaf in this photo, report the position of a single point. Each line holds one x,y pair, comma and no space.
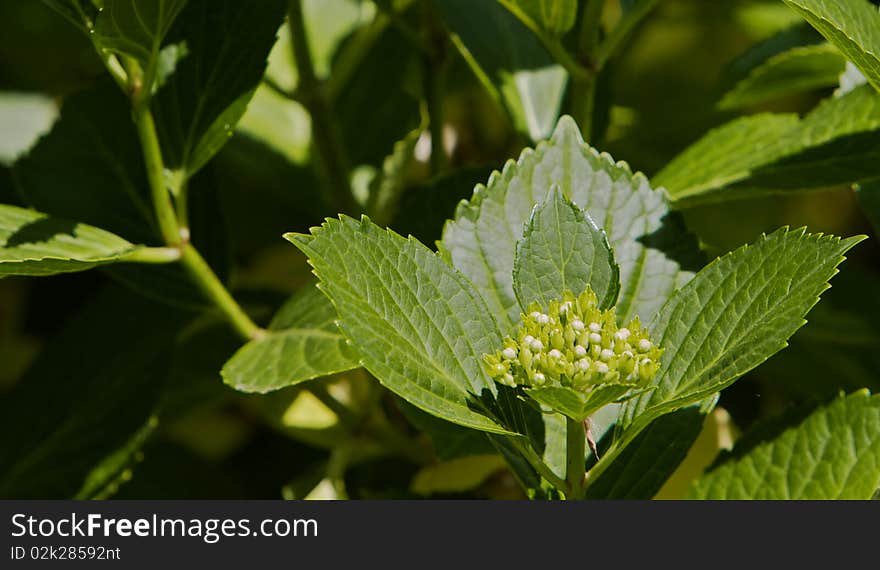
417,324
832,454
35,244
136,29
25,117
563,250
303,343
227,45
852,25
510,61
796,70
555,16
92,389
646,238
835,144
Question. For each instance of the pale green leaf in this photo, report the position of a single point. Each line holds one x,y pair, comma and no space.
302,343
32,243
197,108
833,145
510,61
24,117
563,250
833,454
650,245
736,313
136,29
416,323
851,25
457,475
796,70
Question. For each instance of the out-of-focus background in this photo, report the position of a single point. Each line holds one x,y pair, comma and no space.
662,94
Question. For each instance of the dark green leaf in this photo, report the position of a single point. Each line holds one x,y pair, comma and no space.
199,105
93,388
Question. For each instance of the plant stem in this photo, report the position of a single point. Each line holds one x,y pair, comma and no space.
213,288
583,104
162,203
622,30
154,255
588,35
345,415
583,88
434,84
550,43
538,464
325,131
575,458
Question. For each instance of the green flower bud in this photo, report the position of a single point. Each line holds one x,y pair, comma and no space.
571,342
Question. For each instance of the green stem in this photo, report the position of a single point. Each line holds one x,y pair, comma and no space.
153,255
575,458
550,43
434,83
345,415
538,464
583,104
325,131
588,36
622,30
162,203
213,288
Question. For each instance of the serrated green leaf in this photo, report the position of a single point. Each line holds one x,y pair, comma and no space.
92,389
417,324
736,313
833,454
510,61
578,405
796,70
851,25
835,144
136,29
563,250
302,343
650,244
25,117
199,105
35,244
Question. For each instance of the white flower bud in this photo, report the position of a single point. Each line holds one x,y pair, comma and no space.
595,327
622,334
539,378
644,345
509,353
565,307
528,340
537,345
555,354
577,325
580,351
607,354
595,338
542,319
600,367
535,314
583,364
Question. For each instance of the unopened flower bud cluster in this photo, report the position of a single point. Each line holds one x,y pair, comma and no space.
574,344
